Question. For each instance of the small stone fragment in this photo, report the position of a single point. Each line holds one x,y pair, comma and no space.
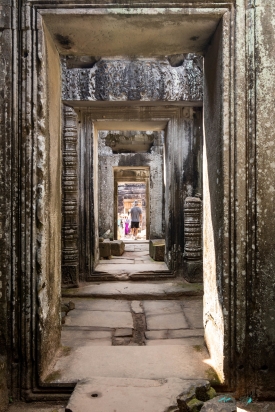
184,399
136,306
201,391
71,305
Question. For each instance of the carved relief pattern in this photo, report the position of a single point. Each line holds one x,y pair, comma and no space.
193,229
70,260
122,80
136,174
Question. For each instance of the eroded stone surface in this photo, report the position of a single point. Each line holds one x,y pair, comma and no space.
222,403
134,80
123,395
100,318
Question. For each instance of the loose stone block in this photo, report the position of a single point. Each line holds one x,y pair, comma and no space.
105,249
221,403
157,249
117,247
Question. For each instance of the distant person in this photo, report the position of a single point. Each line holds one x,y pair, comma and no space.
136,216
127,229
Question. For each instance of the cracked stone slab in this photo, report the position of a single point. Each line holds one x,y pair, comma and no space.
185,333
156,334
193,343
136,290
173,333
152,307
102,305
166,321
100,318
142,362
124,395
70,336
193,310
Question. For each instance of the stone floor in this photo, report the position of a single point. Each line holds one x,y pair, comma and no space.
51,407
132,345
133,339
135,260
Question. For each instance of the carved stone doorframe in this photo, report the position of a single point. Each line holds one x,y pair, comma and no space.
132,175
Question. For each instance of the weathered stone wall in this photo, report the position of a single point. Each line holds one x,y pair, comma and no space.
49,212
139,79
108,160
8,203
260,282
182,178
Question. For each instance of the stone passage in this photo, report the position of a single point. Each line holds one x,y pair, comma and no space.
108,322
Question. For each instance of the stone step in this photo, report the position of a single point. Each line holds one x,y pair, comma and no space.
130,394
136,290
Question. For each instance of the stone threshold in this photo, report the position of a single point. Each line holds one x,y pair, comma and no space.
136,290
148,275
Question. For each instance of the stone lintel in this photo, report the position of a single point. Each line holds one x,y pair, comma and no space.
135,80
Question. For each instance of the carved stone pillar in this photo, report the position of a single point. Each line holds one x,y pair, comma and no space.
70,258
193,239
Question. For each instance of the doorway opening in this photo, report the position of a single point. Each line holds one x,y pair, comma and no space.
128,195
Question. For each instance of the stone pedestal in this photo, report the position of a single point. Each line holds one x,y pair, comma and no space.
117,247
157,249
105,249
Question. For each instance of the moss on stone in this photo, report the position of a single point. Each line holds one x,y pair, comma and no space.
211,393
195,405
54,376
212,376
66,350
198,348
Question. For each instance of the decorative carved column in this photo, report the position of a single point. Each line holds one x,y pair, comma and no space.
70,253
193,239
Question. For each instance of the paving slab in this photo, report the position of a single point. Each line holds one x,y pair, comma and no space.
99,318
75,343
156,334
194,314
124,395
67,335
73,339
185,333
173,333
142,362
195,343
100,304
152,307
136,290
166,321
130,266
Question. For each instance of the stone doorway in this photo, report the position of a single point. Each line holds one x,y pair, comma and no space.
227,148
127,195
131,184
